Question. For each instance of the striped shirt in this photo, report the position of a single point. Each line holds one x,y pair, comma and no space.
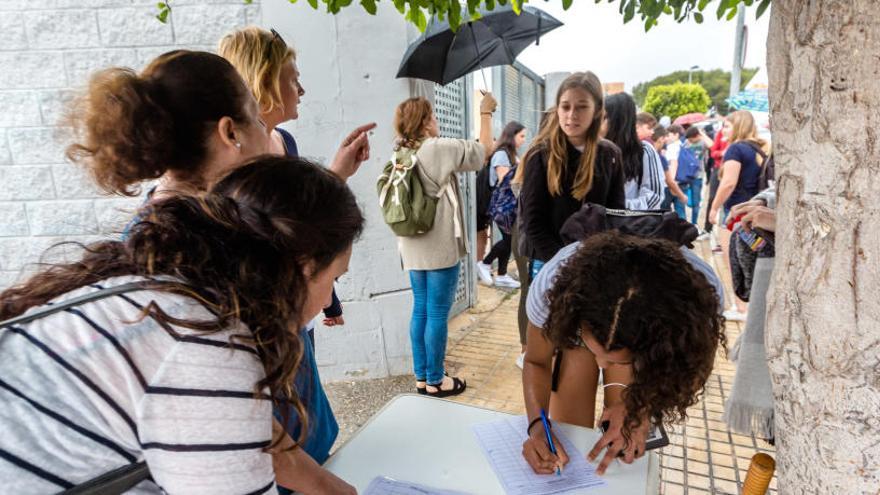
649,193
538,304
93,388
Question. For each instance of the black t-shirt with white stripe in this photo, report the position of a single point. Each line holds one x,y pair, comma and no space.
95,387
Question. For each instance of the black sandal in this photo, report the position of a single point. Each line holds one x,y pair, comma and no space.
458,386
421,390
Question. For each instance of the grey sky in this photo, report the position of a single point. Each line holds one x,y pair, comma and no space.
595,38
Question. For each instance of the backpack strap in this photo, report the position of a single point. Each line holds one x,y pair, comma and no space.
76,301
120,479
758,150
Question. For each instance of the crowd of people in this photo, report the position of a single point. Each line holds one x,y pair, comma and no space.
185,346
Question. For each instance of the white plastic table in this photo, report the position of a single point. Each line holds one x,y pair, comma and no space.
429,441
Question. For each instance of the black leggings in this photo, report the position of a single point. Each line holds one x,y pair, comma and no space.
501,252
714,182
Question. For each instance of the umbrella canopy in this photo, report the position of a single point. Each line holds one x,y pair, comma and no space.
443,56
689,118
755,100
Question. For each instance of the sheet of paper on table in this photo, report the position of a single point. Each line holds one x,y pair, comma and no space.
383,485
502,442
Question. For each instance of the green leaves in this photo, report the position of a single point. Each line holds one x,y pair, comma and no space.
761,8
676,99
649,12
369,6
164,10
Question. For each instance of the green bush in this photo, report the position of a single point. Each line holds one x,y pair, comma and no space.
716,82
676,99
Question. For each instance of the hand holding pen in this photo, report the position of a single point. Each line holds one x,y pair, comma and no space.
537,449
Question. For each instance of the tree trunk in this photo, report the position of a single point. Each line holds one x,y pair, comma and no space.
823,336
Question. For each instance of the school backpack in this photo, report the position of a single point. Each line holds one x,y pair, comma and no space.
688,164
406,207
502,206
657,224
483,192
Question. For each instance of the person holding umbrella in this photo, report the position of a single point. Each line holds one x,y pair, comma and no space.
433,258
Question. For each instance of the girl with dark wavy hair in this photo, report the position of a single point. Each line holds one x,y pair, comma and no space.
644,311
182,374
188,119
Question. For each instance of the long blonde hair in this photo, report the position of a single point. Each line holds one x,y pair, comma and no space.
743,128
258,56
552,140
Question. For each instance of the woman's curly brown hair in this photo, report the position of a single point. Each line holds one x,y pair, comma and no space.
643,295
132,127
241,250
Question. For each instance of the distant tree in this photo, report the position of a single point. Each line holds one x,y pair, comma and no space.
716,82
676,99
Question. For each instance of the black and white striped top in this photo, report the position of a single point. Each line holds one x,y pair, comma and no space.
648,194
96,387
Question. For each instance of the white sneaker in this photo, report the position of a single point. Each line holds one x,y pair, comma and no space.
484,273
703,235
506,281
520,360
734,315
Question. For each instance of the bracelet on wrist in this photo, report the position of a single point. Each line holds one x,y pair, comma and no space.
615,385
532,423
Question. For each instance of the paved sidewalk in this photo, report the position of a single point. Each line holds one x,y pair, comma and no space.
703,457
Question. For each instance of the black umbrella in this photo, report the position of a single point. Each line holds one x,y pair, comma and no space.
443,56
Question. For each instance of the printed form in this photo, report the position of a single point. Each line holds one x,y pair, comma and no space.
502,442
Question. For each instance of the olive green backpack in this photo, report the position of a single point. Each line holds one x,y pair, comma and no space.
406,207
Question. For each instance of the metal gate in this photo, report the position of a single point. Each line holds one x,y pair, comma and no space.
521,96
452,108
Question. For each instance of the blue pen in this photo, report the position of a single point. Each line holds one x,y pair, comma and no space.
549,437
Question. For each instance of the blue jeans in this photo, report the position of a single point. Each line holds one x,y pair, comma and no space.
694,191
433,293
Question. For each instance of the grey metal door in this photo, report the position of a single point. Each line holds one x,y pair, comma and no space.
451,107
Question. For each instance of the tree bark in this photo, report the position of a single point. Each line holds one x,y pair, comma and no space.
823,337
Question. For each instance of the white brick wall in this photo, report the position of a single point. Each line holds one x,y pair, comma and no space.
48,50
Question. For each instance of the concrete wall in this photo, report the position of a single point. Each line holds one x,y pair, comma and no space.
48,49
348,63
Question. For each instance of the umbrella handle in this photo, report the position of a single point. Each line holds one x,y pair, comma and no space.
483,74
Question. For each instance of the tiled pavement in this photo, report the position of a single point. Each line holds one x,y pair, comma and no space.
703,456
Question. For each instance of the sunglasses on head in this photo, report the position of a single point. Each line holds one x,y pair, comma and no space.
275,36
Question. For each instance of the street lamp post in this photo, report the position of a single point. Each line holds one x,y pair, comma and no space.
690,72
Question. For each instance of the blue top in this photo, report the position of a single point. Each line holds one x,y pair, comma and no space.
749,173
499,159
323,428
290,148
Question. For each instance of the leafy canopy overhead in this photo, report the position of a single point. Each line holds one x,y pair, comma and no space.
419,11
